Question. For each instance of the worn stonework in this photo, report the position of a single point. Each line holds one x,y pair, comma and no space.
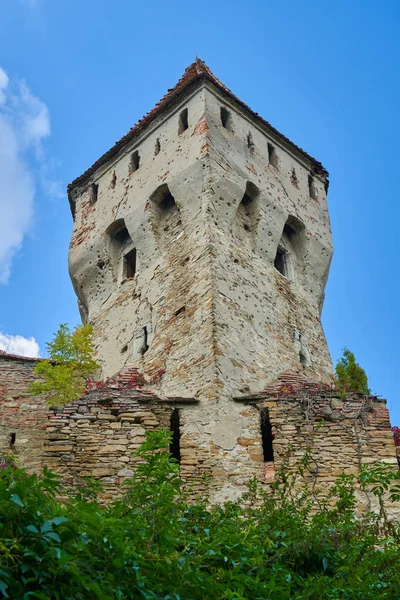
200,251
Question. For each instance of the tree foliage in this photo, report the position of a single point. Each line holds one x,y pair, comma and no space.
350,377
62,377
153,544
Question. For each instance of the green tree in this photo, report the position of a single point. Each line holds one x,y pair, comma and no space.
62,377
350,377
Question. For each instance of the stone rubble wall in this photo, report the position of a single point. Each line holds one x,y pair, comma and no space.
20,412
97,435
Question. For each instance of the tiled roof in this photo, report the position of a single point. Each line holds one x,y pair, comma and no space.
195,72
6,355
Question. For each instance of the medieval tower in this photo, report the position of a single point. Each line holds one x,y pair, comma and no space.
202,245
200,252
201,249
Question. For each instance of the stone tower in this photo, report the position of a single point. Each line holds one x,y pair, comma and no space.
201,246
200,253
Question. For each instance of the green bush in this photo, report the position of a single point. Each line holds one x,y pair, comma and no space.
153,544
350,377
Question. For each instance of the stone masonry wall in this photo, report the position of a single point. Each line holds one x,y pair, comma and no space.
20,412
96,435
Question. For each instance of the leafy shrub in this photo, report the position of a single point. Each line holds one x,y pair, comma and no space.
350,377
155,545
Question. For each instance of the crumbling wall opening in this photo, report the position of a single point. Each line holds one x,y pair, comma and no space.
157,147
175,445
183,121
266,435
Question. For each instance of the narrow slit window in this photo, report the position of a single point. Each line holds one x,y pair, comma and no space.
130,264
135,161
266,436
175,445
250,143
272,156
94,192
312,190
145,345
280,262
226,118
183,121
293,178
157,147
13,437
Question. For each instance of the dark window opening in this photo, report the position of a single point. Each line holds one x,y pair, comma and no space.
246,200
130,264
122,236
183,121
13,437
311,187
180,310
266,436
280,262
272,156
94,192
124,348
157,147
145,345
113,180
289,231
135,161
175,445
226,118
167,202
250,143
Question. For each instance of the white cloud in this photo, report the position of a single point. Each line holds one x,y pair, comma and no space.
24,124
17,344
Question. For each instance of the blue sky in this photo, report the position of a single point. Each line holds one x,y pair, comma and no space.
76,75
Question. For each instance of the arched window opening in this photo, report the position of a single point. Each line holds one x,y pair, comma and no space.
183,121
175,445
226,118
266,436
